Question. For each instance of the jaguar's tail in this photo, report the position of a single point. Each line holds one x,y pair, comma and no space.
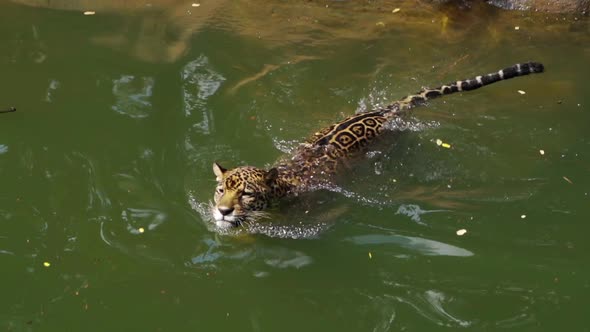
411,101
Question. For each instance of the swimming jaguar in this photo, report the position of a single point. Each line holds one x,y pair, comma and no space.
243,193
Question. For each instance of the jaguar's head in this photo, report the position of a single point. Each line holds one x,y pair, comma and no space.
241,194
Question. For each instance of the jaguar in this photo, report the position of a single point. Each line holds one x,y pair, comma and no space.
245,192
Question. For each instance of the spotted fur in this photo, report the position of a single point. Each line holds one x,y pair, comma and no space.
243,192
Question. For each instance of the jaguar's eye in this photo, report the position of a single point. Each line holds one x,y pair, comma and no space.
220,190
247,193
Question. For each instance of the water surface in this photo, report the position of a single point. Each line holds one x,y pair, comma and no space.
106,167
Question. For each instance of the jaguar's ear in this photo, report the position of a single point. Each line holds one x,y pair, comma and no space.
271,175
218,171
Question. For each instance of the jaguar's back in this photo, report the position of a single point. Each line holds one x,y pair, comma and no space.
327,150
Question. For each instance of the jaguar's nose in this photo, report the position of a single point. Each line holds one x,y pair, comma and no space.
224,210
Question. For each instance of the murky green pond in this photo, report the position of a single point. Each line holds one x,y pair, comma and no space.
105,168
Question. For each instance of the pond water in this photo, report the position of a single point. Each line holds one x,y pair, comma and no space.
105,168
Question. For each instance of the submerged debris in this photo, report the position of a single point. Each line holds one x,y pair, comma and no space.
461,232
8,110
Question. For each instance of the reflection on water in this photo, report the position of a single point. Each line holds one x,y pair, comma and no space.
199,82
414,212
138,219
166,26
259,261
420,245
133,96
51,89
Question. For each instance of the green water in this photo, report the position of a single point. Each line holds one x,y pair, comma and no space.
121,114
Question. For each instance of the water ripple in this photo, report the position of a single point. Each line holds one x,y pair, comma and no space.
133,96
430,305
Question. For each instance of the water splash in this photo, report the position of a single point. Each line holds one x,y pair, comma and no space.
276,228
285,146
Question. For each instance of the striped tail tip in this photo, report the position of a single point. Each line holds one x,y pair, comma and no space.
535,67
